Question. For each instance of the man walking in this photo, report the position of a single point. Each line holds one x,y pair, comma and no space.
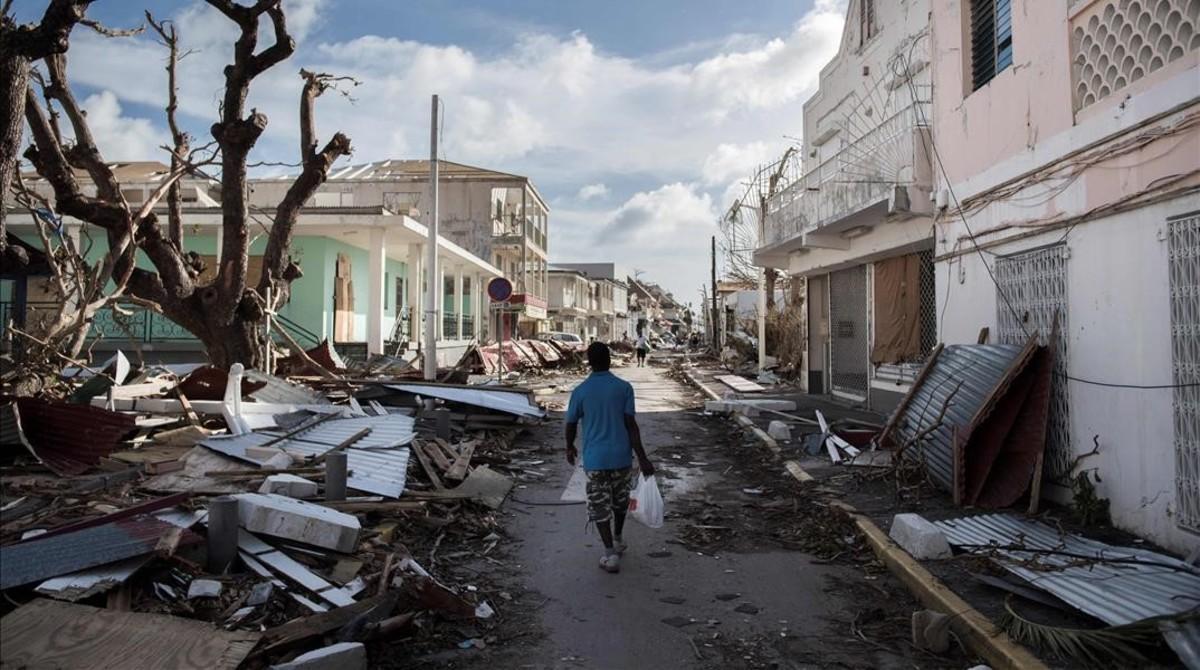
643,347
604,404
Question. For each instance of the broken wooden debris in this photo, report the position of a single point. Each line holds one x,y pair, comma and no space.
48,633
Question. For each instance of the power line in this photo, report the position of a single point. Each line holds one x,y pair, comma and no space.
931,146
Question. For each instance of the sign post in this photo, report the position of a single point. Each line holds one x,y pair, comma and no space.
500,290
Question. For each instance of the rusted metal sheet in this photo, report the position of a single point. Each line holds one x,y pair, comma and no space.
136,510
67,438
40,559
968,381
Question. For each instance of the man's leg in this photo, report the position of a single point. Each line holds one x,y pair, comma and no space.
599,504
622,485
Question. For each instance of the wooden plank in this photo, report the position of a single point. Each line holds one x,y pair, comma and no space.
458,470
343,445
740,384
435,453
51,634
418,448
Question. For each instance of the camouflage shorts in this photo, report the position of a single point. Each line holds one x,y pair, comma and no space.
608,491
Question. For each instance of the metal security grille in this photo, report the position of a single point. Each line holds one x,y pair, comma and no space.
1184,268
849,346
928,305
1030,288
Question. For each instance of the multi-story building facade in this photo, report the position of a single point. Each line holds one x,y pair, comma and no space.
570,296
1069,135
497,216
608,319
854,223
362,286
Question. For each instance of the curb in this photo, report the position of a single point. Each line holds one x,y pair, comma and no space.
977,631
980,634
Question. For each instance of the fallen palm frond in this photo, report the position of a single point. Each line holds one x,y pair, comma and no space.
1096,647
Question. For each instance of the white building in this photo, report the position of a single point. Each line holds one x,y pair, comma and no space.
856,224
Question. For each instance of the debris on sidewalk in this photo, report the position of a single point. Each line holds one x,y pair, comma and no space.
83,515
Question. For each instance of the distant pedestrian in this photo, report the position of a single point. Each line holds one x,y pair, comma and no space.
604,404
643,348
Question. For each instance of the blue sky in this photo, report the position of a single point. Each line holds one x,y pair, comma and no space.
636,120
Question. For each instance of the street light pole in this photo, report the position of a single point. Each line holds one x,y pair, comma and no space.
431,307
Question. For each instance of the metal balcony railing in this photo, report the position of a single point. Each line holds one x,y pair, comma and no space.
468,327
863,172
449,326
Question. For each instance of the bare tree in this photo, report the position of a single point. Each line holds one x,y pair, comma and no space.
225,314
20,45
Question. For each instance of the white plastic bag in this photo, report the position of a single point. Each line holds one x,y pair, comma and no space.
646,503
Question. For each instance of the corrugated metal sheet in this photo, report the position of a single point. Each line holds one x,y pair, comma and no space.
37,560
976,371
276,390
378,463
510,402
67,438
1120,586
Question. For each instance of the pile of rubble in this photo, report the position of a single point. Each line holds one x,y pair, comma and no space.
195,517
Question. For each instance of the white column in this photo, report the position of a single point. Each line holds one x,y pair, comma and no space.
458,299
415,295
439,306
377,255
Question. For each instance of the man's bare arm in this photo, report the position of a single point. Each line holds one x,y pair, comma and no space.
572,453
635,441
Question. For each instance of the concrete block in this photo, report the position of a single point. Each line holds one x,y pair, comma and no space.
290,486
280,461
280,516
204,588
780,431
340,656
919,537
748,407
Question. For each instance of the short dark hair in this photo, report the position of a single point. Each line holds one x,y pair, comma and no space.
599,356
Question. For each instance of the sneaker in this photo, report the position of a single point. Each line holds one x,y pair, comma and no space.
611,563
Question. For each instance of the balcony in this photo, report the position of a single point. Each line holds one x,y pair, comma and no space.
508,232
883,174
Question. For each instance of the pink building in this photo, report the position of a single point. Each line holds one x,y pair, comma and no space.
1068,135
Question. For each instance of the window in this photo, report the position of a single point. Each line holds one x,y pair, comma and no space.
991,39
866,21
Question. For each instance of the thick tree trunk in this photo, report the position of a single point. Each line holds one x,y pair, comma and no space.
239,341
14,78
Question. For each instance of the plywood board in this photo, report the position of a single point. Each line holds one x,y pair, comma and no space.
52,634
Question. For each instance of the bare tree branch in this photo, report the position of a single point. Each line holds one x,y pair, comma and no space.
167,33
112,32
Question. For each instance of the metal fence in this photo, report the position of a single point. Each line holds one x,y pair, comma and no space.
1184,270
1031,287
849,342
126,322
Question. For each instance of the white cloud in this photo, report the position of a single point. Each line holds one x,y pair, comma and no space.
729,162
590,191
657,217
121,138
557,108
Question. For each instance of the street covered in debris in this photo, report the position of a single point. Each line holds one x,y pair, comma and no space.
686,334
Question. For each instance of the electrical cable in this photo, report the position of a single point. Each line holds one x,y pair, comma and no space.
931,148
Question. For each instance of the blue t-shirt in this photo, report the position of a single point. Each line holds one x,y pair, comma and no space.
601,403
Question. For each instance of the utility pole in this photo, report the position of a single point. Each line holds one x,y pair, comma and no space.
716,322
431,284
763,301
